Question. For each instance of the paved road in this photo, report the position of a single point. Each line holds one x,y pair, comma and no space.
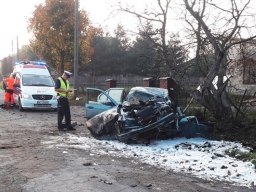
27,164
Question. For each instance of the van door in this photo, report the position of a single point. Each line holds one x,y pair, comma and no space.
17,89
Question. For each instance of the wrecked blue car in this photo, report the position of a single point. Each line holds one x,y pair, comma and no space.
144,114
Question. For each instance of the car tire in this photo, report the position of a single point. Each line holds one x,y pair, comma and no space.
20,106
55,109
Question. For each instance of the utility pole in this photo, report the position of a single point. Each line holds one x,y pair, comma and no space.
76,51
12,54
18,56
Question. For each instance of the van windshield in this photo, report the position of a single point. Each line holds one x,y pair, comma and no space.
37,80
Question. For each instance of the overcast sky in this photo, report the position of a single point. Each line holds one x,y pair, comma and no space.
15,13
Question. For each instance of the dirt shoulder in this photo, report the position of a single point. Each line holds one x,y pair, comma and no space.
27,163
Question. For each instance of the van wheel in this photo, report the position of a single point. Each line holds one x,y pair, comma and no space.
20,106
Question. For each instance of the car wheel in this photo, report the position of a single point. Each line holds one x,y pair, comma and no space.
20,106
55,109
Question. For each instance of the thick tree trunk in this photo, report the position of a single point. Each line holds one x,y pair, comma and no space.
216,100
217,104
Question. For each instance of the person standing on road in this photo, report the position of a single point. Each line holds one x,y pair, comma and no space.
8,97
62,90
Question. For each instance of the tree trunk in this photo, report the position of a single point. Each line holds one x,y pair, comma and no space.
62,56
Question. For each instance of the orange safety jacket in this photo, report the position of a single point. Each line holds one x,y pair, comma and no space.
9,81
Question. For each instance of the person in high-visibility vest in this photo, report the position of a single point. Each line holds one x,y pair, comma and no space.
8,96
62,90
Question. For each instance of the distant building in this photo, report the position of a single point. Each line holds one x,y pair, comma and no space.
242,68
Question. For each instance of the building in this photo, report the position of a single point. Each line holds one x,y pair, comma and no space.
242,68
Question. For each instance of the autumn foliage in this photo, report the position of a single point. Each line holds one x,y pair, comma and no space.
53,27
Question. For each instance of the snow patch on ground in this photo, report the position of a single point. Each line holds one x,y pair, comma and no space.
202,158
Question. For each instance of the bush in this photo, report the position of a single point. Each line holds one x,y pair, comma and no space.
202,114
1,85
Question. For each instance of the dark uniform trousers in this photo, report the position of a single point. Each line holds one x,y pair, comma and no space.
63,110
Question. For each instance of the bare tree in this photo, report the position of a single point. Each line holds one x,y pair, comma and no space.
213,30
222,32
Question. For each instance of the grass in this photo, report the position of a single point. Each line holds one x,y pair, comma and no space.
1,85
79,101
243,156
201,113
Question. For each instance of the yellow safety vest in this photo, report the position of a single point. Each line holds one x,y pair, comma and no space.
63,86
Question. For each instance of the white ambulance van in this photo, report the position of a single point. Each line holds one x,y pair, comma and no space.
34,87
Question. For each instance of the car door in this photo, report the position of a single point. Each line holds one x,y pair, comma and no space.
98,100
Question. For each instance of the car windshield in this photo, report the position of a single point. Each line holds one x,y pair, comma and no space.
37,80
144,94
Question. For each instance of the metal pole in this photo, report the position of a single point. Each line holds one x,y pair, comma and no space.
18,54
76,51
12,54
